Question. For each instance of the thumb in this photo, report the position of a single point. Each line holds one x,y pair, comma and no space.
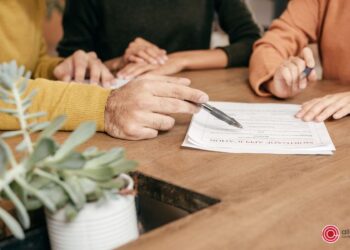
308,57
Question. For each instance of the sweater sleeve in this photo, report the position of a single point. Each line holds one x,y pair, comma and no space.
286,37
80,24
79,102
46,64
236,20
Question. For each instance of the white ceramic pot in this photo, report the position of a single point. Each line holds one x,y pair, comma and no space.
100,225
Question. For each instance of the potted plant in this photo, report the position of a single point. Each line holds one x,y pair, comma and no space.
87,196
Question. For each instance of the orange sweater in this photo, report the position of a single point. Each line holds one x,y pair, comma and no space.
325,22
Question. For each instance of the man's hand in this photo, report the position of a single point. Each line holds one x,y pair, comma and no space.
287,81
142,107
81,66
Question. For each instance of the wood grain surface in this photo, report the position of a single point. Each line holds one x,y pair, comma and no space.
268,201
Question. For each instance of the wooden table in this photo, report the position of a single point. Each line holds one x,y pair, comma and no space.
267,201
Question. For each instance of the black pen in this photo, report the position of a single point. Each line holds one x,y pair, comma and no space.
221,115
307,71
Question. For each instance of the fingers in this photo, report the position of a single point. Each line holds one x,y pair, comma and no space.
133,70
170,90
80,64
320,109
308,56
156,121
164,105
95,71
166,79
64,71
106,77
141,50
342,112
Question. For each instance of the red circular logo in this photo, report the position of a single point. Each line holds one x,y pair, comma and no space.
330,234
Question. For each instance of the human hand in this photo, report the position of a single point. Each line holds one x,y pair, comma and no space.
320,109
81,66
288,80
174,65
141,108
142,51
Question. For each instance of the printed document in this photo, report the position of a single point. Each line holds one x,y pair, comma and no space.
267,128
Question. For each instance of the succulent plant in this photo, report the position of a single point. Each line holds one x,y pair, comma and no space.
44,173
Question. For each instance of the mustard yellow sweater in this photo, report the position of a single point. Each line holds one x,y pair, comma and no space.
21,40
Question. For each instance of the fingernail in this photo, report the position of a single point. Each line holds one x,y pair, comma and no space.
203,99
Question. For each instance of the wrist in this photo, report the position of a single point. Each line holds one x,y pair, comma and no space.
182,59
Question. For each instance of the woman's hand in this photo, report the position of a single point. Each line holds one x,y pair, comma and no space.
173,65
81,66
288,80
142,51
320,109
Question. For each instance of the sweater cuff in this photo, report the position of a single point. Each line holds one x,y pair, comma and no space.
238,54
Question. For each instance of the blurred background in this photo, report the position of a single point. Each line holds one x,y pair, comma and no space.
264,12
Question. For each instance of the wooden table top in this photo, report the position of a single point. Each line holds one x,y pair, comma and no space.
267,201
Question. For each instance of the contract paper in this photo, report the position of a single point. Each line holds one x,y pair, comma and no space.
267,128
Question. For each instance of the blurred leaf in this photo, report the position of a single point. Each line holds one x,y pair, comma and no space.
43,149
70,192
71,161
30,97
56,194
38,127
8,111
21,146
7,151
116,184
106,158
34,115
70,212
24,83
11,134
84,132
37,193
21,210
123,166
12,224
73,182
97,174
54,126
91,152
3,159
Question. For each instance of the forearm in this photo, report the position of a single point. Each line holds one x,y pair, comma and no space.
202,59
78,102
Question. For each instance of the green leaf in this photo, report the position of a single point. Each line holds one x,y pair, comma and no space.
115,184
54,126
11,134
12,224
34,115
8,111
21,210
97,174
21,146
30,97
3,160
24,83
84,132
8,153
37,193
70,211
72,161
70,192
56,194
43,149
91,152
123,166
108,157
38,127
